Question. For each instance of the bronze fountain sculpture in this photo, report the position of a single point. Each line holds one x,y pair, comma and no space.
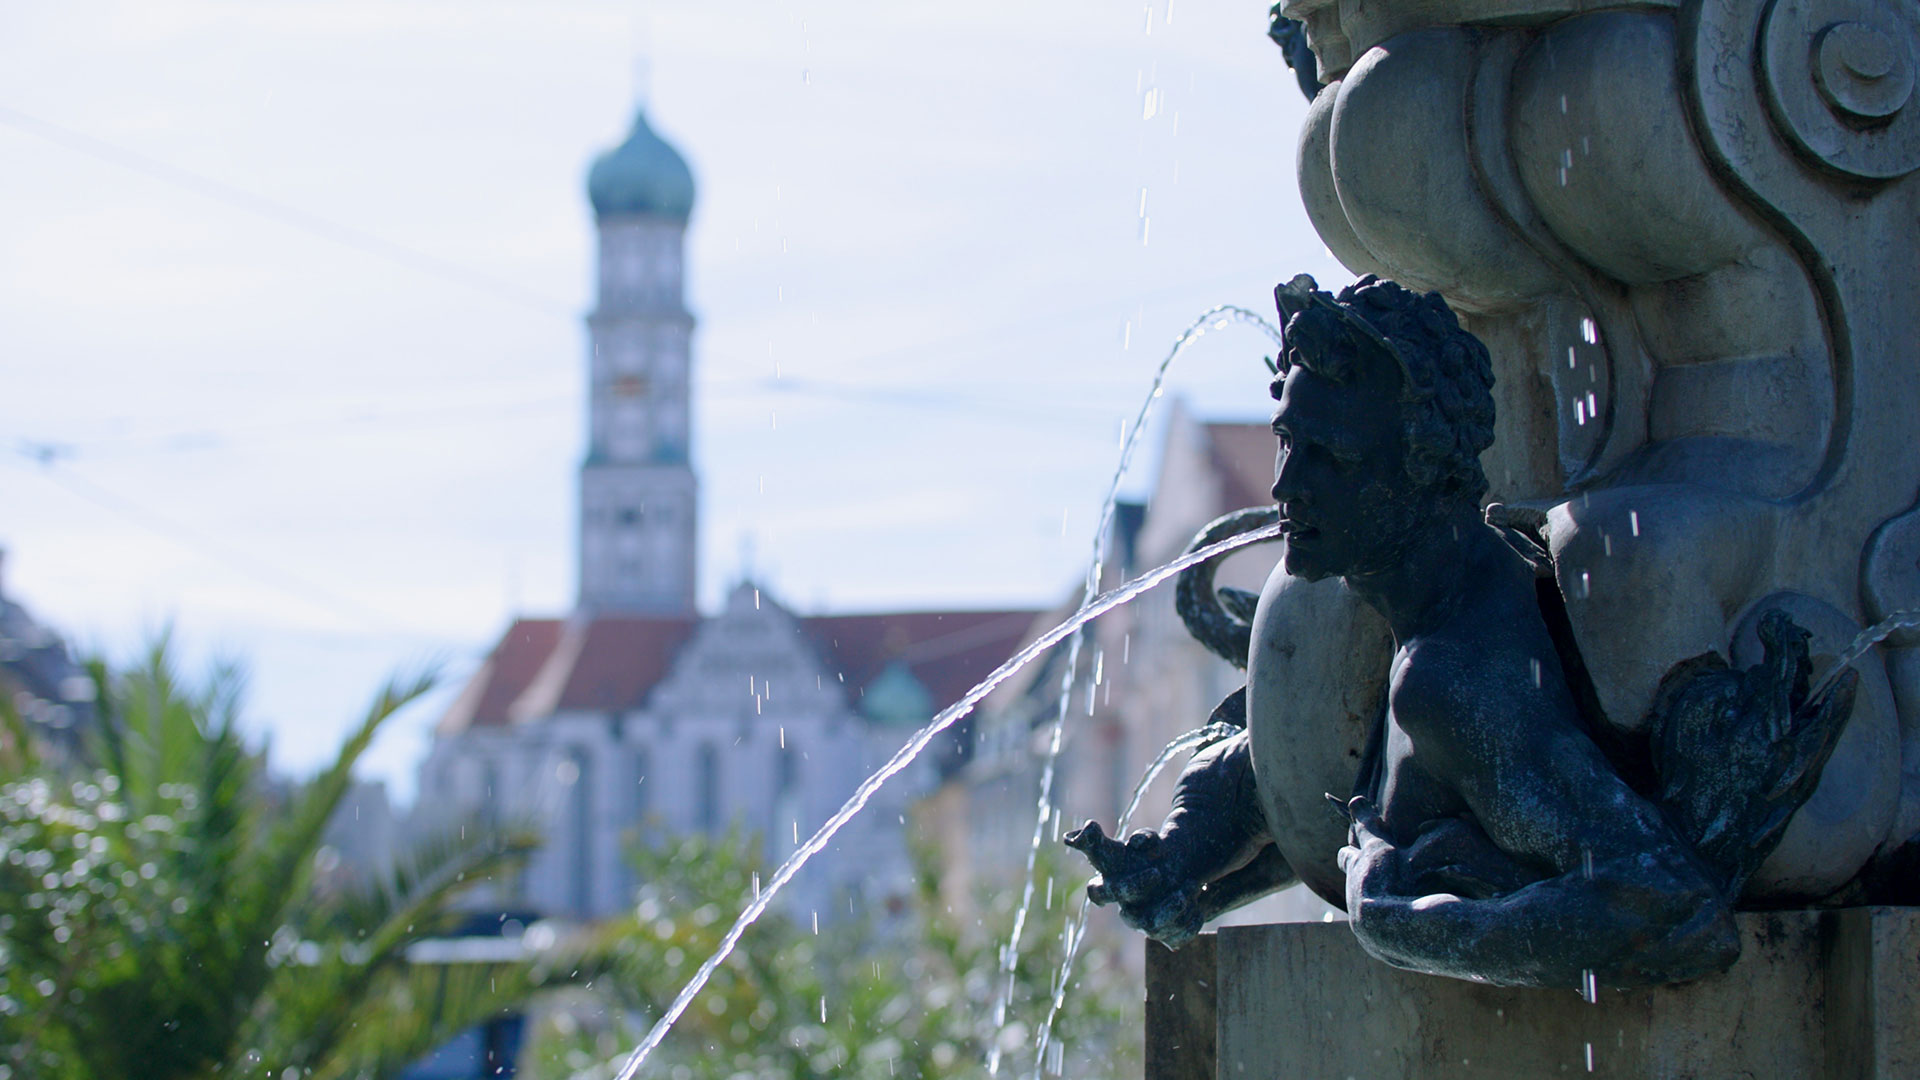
1573,728
1488,824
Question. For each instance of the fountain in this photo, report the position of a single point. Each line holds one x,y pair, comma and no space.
1624,477
1620,517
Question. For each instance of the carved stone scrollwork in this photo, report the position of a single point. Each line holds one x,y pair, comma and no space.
1890,581
1840,78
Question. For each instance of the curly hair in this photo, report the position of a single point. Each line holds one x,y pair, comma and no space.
1446,373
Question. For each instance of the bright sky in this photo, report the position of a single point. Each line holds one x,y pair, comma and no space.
294,290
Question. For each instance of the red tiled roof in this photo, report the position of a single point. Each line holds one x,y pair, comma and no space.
612,662
948,651
514,662
1243,456
621,659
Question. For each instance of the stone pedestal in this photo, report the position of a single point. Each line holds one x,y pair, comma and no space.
1829,994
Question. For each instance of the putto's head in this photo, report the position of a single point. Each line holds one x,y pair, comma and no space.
1445,373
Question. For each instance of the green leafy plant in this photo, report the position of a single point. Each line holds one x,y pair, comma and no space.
159,915
907,996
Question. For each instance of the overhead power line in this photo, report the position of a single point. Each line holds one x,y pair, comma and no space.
297,429
277,578
290,216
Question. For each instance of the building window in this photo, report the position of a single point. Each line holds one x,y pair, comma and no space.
787,770
642,765
708,804
581,882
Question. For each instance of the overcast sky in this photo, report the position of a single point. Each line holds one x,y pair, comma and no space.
292,294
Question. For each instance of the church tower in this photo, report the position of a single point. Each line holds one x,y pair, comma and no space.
637,489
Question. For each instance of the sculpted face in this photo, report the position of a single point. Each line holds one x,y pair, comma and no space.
1347,505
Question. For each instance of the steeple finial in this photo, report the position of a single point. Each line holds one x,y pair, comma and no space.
642,60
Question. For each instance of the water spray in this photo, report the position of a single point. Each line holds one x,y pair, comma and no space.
1099,606
1213,318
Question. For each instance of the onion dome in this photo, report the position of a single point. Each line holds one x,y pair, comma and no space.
642,176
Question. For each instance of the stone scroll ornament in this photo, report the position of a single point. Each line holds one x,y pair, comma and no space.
1583,505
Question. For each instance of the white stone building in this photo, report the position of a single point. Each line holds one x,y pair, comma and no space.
635,712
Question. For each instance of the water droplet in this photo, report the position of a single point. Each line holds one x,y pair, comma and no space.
1093,605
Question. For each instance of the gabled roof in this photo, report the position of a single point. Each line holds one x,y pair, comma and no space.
948,651
621,659
612,662
523,649
1242,456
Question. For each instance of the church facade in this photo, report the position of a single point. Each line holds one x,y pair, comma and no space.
635,715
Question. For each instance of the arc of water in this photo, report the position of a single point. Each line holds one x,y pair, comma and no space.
1076,931
1862,643
1213,318
1099,606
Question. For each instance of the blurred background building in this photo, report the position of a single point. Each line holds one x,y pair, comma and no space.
1142,682
635,711
42,684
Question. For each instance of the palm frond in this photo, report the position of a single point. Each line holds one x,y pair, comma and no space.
418,1009
107,740
301,1008
285,859
213,948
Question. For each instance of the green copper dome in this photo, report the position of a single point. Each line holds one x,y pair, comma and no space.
641,176
896,699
